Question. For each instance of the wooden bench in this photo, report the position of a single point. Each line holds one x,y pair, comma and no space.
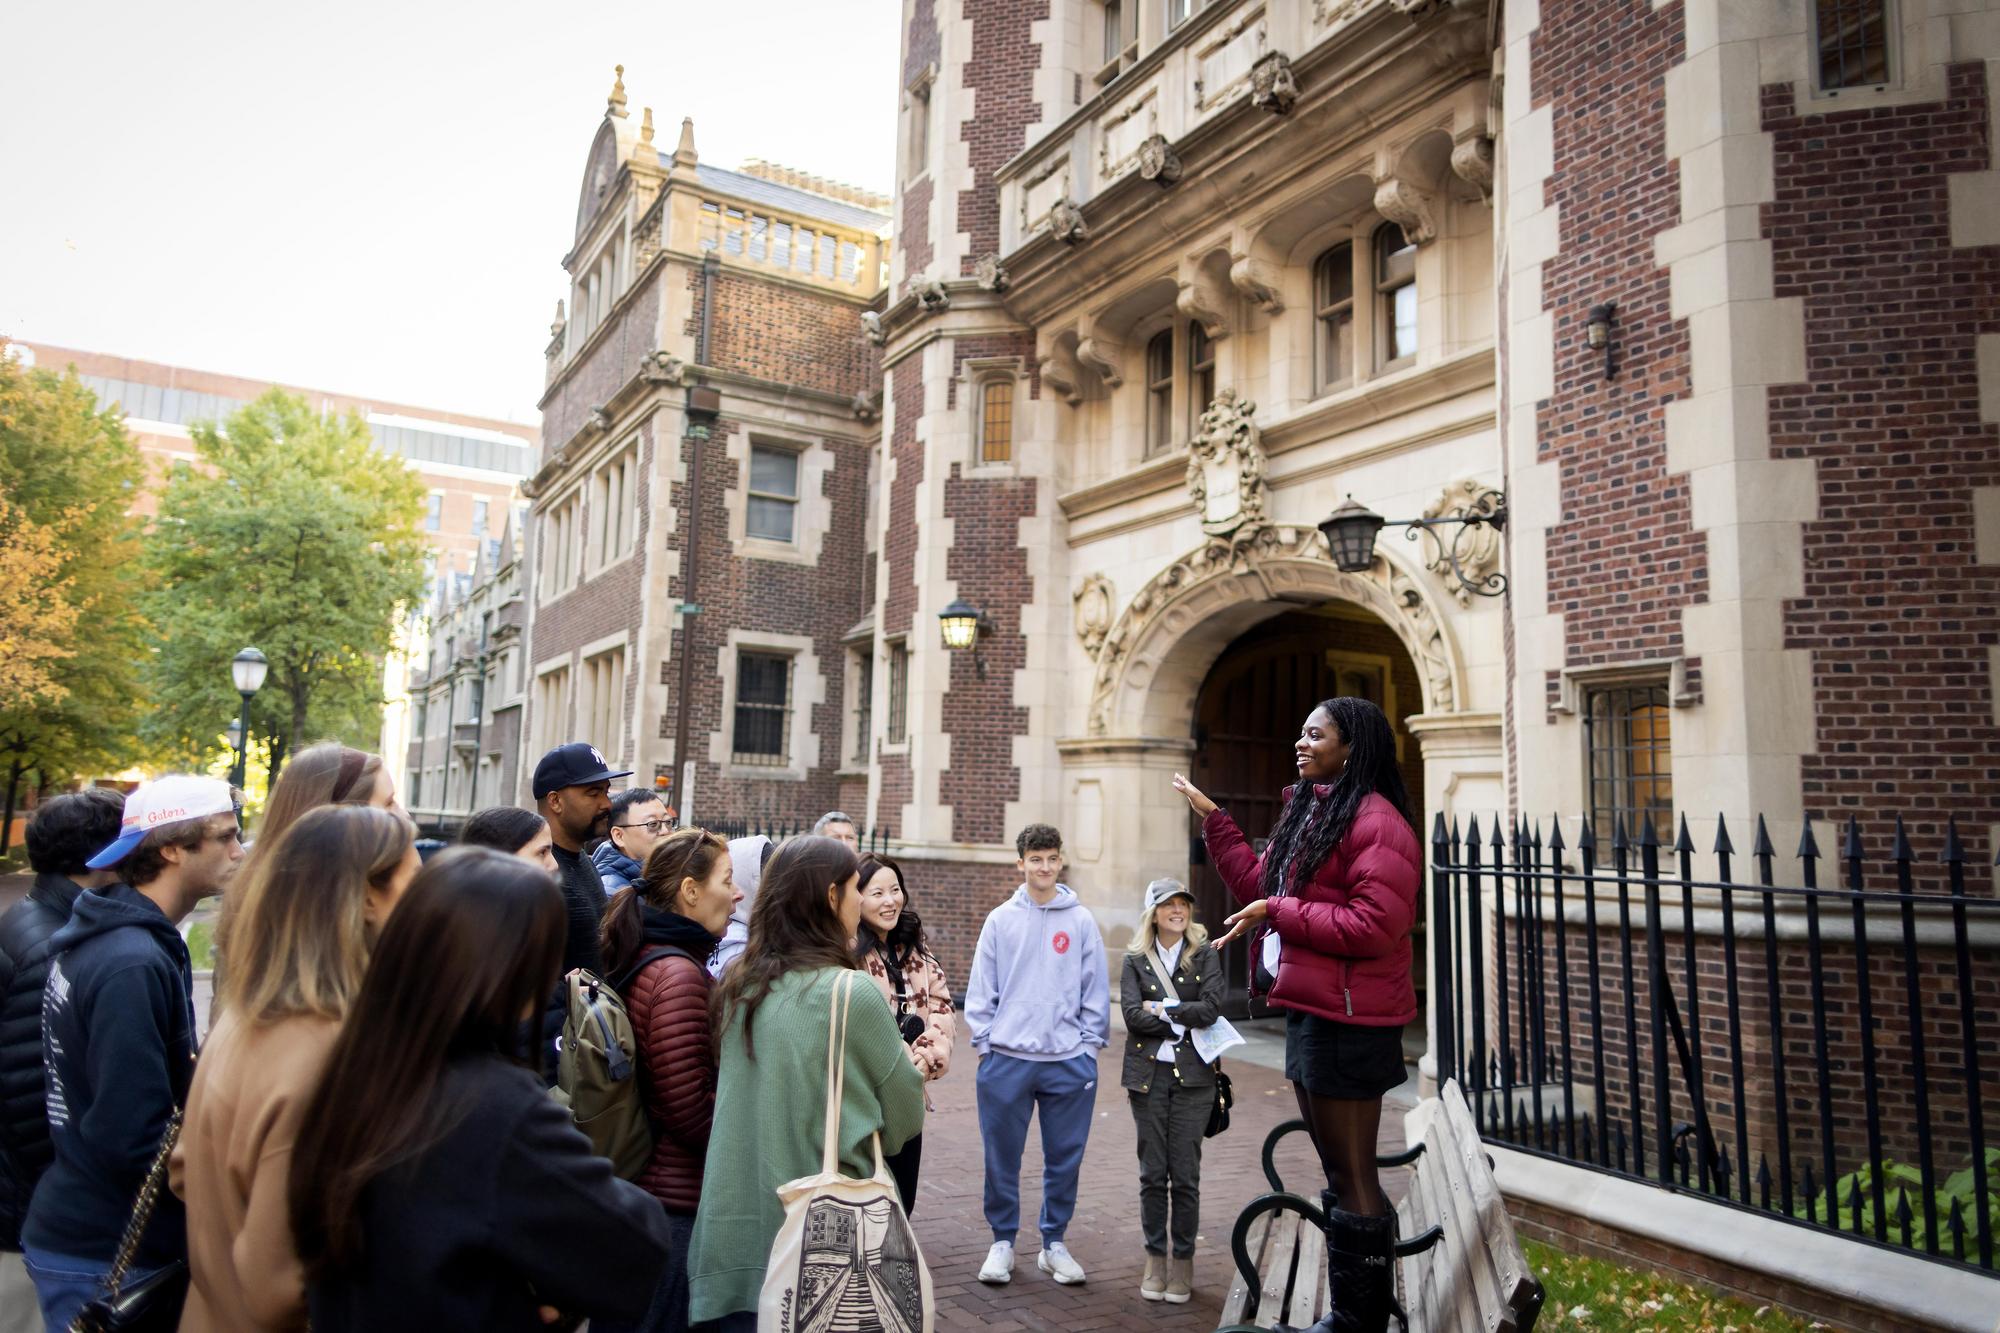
1459,1267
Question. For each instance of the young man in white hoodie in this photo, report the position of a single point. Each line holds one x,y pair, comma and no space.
1039,1007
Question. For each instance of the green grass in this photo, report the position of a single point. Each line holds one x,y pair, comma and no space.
1592,1294
201,945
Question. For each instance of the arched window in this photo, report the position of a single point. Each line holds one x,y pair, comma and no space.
996,421
1201,374
1333,315
1395,294
1159,390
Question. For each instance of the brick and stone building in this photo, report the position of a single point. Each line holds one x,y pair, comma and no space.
467,688
1700,296
700,552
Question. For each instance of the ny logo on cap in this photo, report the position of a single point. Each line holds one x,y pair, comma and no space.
597,758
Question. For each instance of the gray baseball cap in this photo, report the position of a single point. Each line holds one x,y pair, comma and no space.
1162,889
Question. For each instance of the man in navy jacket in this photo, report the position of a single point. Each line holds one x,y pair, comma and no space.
119,1040
65,832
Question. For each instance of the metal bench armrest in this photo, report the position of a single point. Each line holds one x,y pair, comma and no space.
1271,1141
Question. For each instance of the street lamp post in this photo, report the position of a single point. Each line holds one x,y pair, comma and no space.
247,670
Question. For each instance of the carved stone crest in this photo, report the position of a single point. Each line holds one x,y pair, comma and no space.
1158,162
1066,223
1092,604
1476,546
863,406
600,419
991,274
1273,85
1225,471
871,324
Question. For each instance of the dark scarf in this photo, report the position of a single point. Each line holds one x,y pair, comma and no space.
660,927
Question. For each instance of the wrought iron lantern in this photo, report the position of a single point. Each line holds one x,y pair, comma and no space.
1350,537
962,625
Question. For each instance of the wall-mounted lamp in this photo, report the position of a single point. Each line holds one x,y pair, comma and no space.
962,625
1597,333
1350,537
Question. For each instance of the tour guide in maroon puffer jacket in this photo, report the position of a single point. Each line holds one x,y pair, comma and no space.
1344,935
1328,908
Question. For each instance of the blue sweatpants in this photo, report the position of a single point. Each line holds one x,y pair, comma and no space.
1010,1090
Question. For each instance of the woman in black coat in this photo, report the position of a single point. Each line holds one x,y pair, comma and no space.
435,1184
1172,985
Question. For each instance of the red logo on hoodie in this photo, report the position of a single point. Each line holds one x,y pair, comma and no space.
1061,941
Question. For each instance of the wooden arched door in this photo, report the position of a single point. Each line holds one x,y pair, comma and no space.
1248,716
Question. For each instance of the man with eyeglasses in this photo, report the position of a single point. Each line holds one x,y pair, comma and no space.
639,820
118,1040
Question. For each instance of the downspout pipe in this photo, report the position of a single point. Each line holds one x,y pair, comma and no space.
701,407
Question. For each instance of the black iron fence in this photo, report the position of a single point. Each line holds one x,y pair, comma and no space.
780,827
1825,1054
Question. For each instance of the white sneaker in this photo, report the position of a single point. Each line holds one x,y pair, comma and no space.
999,1266
1055,1260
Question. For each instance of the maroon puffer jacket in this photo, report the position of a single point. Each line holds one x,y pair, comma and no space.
1345,935
668,1005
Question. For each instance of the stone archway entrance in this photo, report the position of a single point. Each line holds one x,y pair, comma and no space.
1247,715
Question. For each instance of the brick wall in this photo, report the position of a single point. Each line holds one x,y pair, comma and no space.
604,602
790,336
1896,612
613,357
990,569
899,556
1625,560
923,45
1001,77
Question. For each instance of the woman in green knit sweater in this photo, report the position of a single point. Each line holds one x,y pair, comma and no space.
771,1012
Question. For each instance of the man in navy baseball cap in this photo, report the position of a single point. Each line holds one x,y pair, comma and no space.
572,789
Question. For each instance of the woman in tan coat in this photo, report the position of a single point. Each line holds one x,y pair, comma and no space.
306,914
893,952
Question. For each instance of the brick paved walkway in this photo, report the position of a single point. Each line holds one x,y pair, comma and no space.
1104,1236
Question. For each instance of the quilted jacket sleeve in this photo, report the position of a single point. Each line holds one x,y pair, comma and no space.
1380,864
674,1049
1240,867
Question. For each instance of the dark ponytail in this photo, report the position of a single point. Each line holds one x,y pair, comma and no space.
1311,825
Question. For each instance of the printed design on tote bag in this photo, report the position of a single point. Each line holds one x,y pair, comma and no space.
858,1270
1061,941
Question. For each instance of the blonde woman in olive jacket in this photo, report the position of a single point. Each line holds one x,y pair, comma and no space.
1172,1089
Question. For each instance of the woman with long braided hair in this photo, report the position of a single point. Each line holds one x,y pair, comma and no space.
1328,907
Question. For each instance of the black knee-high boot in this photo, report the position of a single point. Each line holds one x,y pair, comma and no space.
1360,1270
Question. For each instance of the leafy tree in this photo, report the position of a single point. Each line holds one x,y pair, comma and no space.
294,535
40,619
68,474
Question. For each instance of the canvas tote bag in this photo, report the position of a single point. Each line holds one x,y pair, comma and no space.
845,1258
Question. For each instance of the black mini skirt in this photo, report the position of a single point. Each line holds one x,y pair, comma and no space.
1347,1060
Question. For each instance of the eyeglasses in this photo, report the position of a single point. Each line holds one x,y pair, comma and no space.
650,825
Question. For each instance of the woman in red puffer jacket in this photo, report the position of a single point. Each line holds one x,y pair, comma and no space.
1328,907
657,937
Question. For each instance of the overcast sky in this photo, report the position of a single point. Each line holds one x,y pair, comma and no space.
374,197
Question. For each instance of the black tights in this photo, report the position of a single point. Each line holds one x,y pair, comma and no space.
1343,1132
